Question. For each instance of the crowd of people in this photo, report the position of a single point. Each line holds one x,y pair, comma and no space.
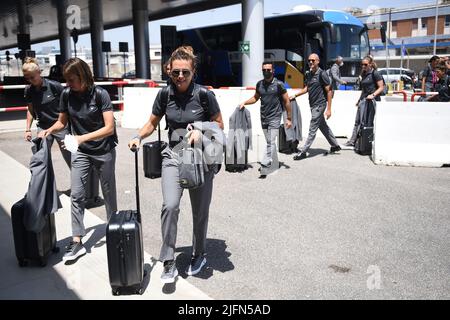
85,111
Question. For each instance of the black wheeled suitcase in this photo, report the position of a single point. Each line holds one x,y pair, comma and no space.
32,246
152,157
363,144
125,249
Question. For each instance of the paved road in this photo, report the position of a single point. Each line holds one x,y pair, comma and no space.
334,227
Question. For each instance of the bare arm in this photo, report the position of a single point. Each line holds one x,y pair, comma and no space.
423,83
145,131
252,100
299,93
329,99
377,92
218,118
57,126
29,122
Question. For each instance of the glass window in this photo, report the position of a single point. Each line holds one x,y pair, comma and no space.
351,43
447,21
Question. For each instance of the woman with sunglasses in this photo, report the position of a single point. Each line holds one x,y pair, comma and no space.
181,110
90,112
372,85
42,96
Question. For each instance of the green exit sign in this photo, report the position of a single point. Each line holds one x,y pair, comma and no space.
244,46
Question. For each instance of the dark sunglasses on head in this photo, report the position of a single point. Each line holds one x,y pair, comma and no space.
268,70
176,72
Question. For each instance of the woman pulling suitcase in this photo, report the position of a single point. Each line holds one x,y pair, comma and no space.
90,112
184,107
372,85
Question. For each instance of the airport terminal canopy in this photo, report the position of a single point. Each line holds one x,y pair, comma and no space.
42,18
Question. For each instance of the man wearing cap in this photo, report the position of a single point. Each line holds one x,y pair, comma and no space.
429,78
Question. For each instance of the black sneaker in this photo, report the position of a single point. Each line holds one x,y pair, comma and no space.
334,149
73,251
197,263
170,272
263,176
299,156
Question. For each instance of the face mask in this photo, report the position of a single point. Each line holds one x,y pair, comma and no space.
267,75
341,64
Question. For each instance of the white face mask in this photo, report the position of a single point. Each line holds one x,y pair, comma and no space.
341,64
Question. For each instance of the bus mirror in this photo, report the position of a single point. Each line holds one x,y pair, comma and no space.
333,33
320,25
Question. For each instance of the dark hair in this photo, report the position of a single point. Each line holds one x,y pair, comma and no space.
269,62
433,58
79,68
184,53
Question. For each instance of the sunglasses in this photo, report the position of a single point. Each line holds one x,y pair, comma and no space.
364,64
176,72
311,60
266,70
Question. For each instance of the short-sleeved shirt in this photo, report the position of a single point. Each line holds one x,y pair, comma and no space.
45,102
85,112
368,85
183,109
443,88
271,102
430,79
316,83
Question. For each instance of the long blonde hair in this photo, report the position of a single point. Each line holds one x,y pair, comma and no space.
30,65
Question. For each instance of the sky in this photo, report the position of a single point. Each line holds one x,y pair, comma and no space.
225,14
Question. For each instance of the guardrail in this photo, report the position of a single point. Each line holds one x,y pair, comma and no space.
119,84
422,94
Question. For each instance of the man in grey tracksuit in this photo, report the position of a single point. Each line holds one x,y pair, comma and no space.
335,73
272,93
318,89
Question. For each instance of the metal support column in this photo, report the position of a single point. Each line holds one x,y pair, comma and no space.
253,32
96,28
22,11
63,32
141,39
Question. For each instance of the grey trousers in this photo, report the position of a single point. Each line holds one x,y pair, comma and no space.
105,167
172,192
59,136
271,132
318,122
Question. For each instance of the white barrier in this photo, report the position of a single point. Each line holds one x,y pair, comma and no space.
412,134
137,108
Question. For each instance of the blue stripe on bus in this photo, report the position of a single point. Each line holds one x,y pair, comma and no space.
337,17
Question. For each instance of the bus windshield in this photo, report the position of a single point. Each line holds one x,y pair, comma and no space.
351,43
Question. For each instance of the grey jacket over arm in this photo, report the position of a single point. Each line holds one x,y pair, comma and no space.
42,196
294,133
239,134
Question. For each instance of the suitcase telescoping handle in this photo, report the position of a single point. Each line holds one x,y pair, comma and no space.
138,206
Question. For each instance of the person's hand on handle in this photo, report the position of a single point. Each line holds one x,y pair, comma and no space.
134,144
241,106
194,136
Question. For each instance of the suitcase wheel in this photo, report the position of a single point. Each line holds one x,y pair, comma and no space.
55,249
115,292
42,262
22,263
140,291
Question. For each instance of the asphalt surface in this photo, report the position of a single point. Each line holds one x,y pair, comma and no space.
327,227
